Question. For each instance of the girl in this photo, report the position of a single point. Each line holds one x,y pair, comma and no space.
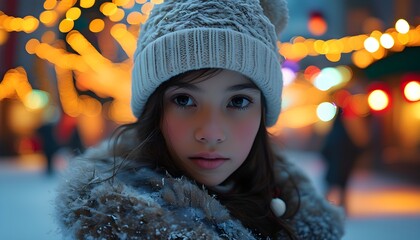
198,163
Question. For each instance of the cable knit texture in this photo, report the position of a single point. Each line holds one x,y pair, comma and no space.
193,34
145,204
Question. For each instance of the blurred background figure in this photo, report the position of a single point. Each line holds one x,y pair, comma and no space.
341,152
59,136
346,143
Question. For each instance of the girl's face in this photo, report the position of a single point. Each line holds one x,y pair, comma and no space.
210,125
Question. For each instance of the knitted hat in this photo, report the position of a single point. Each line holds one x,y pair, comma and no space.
184,35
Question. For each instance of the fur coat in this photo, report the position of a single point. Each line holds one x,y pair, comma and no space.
145,204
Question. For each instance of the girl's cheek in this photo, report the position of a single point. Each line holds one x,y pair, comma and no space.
246,129
175,128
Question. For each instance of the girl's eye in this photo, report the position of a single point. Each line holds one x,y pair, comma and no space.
183,101
239,102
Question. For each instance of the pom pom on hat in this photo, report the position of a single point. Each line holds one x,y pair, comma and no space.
277,12
236,35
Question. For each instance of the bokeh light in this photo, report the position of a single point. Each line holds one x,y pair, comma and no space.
87,3
387,41
328,78
326,111
402,26
412,91
73,13
288,76
371,44
96,25
36,99
378,100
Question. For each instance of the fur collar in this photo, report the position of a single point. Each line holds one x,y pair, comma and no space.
150,205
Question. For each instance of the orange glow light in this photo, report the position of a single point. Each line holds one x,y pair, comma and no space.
317,24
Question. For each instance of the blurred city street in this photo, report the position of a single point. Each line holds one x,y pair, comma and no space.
380,207
350,109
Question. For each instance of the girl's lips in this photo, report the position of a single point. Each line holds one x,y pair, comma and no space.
208,155
208,160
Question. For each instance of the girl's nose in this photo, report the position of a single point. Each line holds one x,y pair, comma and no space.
210,130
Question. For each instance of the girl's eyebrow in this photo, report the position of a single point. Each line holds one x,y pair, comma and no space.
242,86
187,86
232,88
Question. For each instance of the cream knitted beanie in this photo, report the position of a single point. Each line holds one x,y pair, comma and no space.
183,35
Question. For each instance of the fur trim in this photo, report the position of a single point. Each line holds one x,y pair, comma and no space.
145,204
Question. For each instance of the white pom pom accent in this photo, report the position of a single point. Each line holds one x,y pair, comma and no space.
278,207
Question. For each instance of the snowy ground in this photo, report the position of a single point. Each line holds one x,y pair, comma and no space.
26,200
27,195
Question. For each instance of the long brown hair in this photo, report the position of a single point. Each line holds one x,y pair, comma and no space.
254,180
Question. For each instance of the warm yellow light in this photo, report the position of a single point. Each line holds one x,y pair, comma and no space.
157,1
117,16
96,25
73,13
317,26
309,43
48,18
379,54
63,5
378,100
321,47
15,83
16,24
402,26
3,36
120,3
118,30
300,51
87,3
387,41
91,106
345,42
108,8
147,8
5,21
129,5
31,46
362,58
403,38
120,112
414,37
141,1
134,18
30,24
371,44
66,25
50,4
335,46
48,37
412,91
333,57
359,105
297,117
346,73
77,41
126,40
